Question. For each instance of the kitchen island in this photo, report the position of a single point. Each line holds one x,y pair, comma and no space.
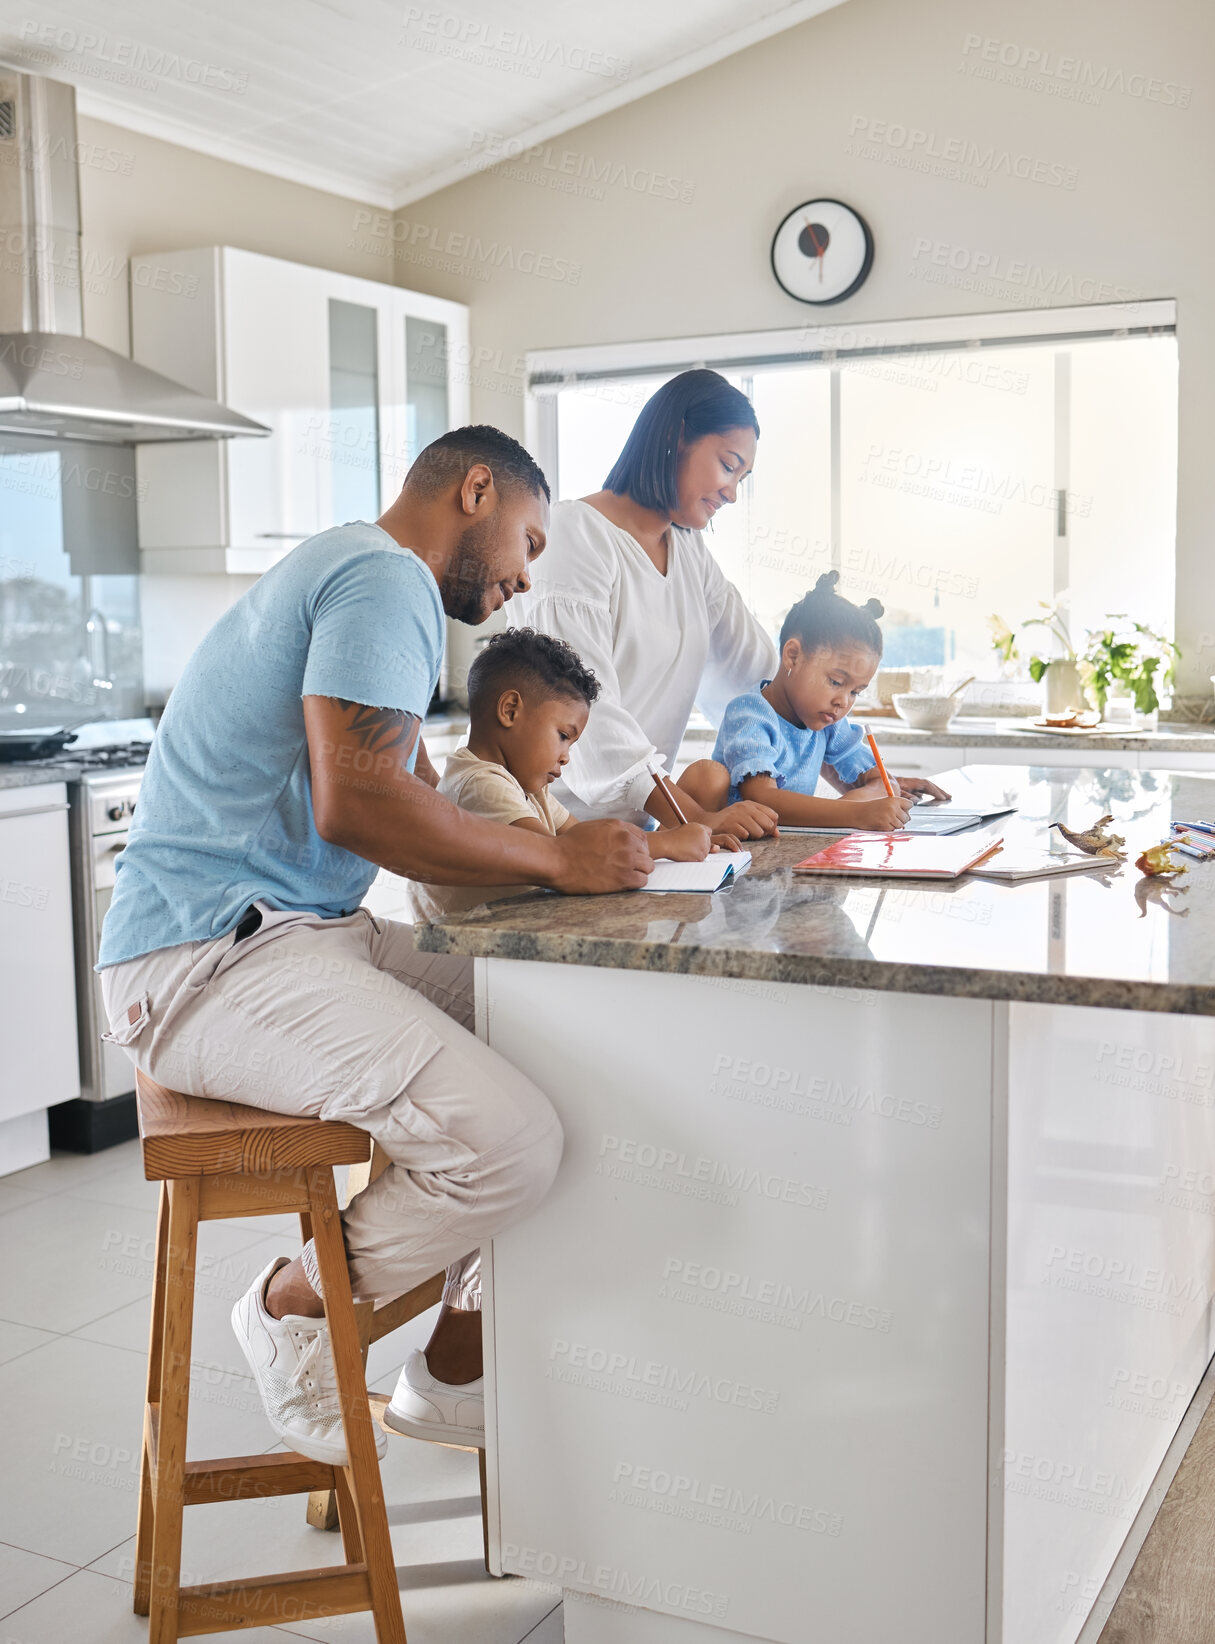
876,1279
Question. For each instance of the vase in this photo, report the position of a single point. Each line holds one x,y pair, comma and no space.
1062,691
1119,706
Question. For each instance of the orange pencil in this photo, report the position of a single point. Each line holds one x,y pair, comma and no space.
881,769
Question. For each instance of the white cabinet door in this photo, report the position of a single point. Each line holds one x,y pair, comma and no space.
39,1066
351,376
276,370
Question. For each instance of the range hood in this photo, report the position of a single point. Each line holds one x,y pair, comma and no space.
55,383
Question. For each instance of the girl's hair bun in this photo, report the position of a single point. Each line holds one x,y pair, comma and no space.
824,618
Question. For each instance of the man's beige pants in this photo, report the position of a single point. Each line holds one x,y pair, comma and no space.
344,1019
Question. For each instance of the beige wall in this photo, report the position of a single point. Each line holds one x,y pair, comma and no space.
753,136
140,195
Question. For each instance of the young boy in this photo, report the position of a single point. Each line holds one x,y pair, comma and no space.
529,698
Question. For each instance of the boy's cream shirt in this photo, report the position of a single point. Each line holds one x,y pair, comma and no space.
488,790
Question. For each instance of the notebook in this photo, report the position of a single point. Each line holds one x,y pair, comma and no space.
951,818
900,856
710,875
931,819
1031,862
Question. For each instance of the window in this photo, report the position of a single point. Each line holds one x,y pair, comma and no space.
425,383
1030,458
70,638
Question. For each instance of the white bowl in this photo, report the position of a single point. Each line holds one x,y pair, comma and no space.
924,712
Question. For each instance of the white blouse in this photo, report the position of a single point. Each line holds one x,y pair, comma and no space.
658,645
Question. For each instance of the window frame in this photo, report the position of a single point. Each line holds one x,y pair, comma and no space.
551,369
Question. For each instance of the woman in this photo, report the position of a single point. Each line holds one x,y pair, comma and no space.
628,580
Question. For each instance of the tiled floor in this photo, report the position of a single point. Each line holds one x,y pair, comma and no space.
75,1281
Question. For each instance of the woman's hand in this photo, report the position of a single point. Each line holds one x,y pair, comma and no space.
725,842
902,784
745,819
689,843
921,785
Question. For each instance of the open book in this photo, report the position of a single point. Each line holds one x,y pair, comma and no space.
715,871
941,819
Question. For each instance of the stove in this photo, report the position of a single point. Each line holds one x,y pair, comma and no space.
103,769
112,756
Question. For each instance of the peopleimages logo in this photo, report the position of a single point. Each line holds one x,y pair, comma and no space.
586,1364
697,1175
417,241
639,1588
684,1494
767,1300
1038,69
974,161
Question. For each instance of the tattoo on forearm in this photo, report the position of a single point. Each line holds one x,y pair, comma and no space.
382,730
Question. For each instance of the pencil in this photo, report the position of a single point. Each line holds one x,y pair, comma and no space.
668,793
881,769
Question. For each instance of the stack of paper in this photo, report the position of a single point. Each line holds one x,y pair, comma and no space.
709,875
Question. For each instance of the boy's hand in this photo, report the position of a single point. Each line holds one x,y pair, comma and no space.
745,819
596,857
689,843
882,814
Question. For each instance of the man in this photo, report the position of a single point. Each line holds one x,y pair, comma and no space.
236,959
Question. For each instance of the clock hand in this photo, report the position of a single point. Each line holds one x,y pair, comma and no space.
819,250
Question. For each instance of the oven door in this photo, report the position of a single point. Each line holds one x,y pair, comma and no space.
112,1072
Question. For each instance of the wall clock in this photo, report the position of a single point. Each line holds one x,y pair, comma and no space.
822,252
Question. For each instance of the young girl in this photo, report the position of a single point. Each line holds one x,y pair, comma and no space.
774,741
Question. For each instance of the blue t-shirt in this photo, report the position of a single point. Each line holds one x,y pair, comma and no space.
224,816
755,741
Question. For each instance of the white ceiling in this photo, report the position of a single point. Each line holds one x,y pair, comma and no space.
378,100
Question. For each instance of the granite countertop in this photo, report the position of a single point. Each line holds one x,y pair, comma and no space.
1106,938
33,776
1021,733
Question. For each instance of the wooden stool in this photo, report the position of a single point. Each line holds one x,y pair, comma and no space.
221,1159
380,1319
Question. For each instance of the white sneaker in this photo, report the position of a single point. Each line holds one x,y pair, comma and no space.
439,1410
293,1367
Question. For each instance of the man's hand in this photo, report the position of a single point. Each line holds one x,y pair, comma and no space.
601,856
745,819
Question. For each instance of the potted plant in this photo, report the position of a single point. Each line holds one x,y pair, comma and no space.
1064,689
1130,659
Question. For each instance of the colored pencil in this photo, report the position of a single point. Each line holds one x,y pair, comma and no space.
668,793
881,769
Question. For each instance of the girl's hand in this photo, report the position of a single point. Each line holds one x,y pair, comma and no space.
882,814
690,843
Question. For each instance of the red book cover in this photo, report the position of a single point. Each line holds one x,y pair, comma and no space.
903,855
